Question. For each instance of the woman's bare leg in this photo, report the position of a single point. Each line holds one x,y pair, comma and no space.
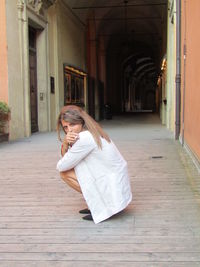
70,178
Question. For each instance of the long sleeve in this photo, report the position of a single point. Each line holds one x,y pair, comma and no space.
83,146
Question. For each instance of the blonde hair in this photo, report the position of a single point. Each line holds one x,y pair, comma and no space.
77,115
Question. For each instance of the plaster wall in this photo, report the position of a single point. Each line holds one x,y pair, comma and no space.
190,83
3,54
67,45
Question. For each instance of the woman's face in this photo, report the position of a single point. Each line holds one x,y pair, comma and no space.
71,127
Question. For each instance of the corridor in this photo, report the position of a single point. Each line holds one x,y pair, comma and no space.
39,220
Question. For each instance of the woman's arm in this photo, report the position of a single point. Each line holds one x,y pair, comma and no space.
64,148
80,149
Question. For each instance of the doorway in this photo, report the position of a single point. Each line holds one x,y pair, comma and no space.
33,79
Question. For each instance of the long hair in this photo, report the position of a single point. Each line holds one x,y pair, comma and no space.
77,115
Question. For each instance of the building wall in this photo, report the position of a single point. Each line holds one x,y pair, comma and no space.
171,67
19,17
167,102
190,82
163,106
43,80
15,87
3,54
53,62
60,39
66,45
15,17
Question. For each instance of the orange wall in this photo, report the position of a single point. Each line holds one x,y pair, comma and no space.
3,54
190,23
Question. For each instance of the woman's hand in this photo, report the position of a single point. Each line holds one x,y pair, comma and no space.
71,138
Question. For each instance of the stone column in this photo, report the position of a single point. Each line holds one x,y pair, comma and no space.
102,64
92,62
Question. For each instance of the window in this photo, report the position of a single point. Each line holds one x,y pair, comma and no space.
74,86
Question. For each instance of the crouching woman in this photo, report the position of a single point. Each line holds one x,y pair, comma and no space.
92,165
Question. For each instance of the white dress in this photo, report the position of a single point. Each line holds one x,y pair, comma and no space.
101,173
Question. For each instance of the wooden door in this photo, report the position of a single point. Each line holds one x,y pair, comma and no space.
33,80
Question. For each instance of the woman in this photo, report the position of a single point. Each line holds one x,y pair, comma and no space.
92,165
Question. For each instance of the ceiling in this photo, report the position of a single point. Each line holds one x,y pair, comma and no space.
142,20
127,26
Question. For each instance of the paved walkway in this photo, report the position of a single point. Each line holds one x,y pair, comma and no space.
39,220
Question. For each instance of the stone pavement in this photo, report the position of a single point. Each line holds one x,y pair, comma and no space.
39,220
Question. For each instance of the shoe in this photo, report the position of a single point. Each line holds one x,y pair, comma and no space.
85,211
88,218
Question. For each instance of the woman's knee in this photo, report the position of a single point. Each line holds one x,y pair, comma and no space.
70,178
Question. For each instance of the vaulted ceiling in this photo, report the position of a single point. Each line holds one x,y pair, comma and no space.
141,20
135,30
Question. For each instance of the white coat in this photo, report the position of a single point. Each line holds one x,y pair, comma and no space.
101,173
